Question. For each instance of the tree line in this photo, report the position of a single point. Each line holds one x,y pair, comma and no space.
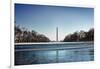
80,36
23,35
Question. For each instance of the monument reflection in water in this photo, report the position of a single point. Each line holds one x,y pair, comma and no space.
53,53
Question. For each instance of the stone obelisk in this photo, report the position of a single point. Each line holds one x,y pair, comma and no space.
57,34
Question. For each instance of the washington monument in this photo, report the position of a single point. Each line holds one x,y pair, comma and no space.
57,34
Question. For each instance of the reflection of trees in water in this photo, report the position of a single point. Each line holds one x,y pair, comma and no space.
19,58
84,52
25,57
91,52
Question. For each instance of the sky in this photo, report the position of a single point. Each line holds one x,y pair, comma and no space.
45,19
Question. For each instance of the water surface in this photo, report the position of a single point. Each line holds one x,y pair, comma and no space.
53,53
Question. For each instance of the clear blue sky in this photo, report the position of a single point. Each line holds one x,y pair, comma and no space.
44,19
